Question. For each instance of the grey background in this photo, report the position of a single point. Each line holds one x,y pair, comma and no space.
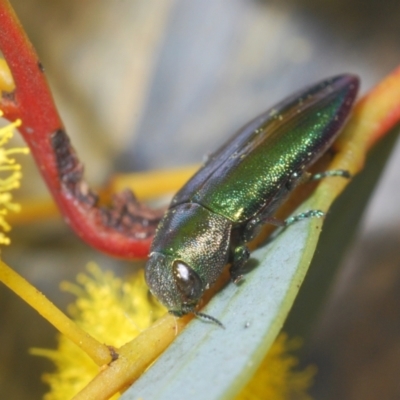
153,84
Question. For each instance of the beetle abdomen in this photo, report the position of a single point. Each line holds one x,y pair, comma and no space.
251,170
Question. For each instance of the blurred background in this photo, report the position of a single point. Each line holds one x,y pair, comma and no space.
149,84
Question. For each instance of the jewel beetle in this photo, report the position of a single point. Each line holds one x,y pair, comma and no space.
239,188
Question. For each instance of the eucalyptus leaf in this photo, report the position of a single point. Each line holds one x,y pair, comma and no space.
206,361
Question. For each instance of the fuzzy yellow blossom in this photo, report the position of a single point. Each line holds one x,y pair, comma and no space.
114,311
10,176
277,377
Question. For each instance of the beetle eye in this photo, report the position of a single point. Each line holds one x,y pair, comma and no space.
187,280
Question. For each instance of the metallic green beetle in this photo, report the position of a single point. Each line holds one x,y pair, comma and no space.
239,188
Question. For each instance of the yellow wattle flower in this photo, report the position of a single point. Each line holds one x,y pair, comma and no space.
277,377
115,311
10,176
110,309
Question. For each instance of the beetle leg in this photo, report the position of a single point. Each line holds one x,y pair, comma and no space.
297,179
240,255
252,226
303,215
291,220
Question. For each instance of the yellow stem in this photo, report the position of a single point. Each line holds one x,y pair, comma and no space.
99,352
6,80
137,355
34,210
133,360
151,184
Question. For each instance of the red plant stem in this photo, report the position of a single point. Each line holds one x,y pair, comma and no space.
126,230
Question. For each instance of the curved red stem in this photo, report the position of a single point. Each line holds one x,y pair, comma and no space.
126,230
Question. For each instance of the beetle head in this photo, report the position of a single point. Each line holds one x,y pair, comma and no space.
174,283
188,253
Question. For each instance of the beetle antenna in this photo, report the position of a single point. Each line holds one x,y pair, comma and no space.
208,318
